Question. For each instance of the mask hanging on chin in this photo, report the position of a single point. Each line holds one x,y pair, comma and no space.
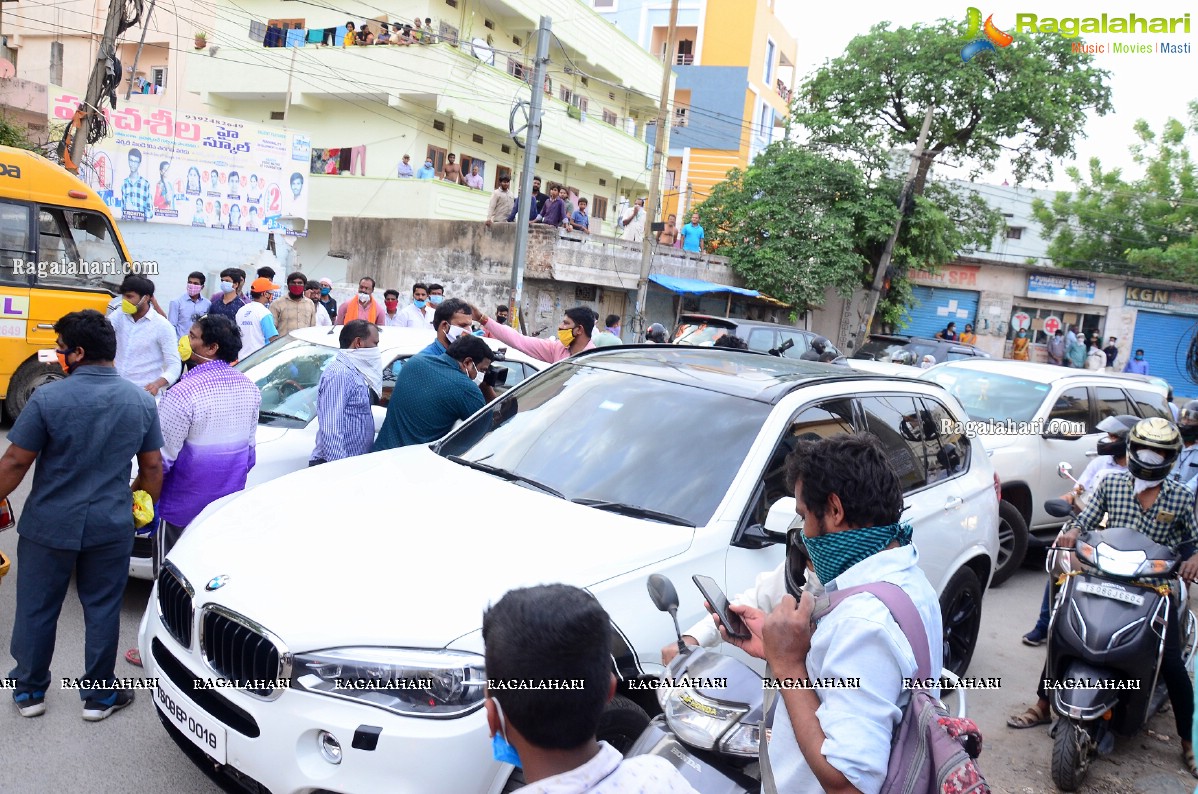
501,748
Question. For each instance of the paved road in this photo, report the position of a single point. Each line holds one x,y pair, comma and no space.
130,751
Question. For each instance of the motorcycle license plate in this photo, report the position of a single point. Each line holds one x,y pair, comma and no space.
1106,591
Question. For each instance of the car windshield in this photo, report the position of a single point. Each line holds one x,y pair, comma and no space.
287,373
591,433
986,396
884,349
699,333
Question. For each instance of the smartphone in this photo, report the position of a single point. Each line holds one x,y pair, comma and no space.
719,602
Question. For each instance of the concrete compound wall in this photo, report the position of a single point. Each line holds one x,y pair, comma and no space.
475,263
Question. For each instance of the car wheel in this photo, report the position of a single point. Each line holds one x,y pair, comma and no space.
28,377
621,723
961,613
1012,542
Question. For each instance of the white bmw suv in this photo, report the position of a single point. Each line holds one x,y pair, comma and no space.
304,646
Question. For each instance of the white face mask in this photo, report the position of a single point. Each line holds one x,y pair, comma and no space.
454,332
1150,458
363,297
478,376
369,364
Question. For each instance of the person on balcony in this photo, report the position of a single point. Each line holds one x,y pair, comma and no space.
633,222
452,171
427,171
405,168
384,36
349,35
474,180
501,203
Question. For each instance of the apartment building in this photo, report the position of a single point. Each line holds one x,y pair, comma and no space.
735,66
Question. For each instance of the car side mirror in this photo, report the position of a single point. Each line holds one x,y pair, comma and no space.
8,516
1065,470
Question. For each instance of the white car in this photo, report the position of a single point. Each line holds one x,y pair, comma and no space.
1054,412
358,644
287,372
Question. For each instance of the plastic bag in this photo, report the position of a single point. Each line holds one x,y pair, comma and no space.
143,509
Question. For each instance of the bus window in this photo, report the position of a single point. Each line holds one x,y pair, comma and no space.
80,243
14,241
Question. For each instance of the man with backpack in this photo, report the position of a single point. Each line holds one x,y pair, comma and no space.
838,739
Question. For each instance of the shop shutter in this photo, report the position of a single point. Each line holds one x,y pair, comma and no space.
1166,341
935,307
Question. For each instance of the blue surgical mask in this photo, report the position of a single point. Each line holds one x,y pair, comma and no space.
436,299
226,287
325,290
1139,356
419,304
501,748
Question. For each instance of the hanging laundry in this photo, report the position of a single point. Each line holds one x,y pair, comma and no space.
295,37
257,31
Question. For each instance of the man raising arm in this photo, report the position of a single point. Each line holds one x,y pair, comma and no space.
573,335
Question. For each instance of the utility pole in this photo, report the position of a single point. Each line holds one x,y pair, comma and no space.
667,71
287,101
530,160
140,44
91,101
875,290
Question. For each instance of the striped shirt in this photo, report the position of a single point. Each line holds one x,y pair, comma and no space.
346,424
209,421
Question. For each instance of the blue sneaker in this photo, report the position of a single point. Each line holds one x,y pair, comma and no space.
96,709
30,704
1035,637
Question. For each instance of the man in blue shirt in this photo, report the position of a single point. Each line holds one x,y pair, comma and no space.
692,235
580,221
83,432
186,309
1137,365
343,398
452,319
426,171
433,392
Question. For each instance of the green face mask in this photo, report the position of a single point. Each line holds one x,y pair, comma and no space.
836,552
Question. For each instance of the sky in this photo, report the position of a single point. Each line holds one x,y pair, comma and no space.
1152,87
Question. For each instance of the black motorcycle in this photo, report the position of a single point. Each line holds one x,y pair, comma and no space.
1106,639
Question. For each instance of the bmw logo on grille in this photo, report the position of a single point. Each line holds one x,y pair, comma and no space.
217,582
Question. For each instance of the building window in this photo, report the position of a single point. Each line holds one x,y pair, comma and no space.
580,102
451,3
516,41
437,155
680,117
158,76
505,149
686,53
770,51
610,118
449,34
671,179
1014,232
488,24
607,4
599,207
566,94
517,69
476,138
602,182
557,166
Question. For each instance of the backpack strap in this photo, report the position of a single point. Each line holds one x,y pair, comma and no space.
904,612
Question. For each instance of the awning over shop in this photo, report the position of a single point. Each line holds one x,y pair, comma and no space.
694,286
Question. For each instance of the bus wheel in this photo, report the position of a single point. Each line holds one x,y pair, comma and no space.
29,376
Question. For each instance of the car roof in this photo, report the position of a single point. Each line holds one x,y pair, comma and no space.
902,339
735,322
402,340
1041,373
740,373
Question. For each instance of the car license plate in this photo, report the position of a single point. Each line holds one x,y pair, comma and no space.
1106,591
203,731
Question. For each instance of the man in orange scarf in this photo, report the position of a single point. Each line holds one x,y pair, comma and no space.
364,308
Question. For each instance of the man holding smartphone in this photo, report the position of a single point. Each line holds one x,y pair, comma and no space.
850,501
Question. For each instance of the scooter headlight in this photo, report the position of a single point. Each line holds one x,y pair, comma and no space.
697,719
744,740
1150,567
1111,560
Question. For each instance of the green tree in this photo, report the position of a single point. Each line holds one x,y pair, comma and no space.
1146,225
797,222
1030,99
15,135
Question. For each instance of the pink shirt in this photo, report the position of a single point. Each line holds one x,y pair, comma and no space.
548,350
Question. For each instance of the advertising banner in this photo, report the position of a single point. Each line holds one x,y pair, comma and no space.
187,169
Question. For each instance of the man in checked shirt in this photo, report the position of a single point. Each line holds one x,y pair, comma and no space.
137,197
1144,499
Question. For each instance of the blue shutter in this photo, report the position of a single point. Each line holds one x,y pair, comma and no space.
935,307
1166,342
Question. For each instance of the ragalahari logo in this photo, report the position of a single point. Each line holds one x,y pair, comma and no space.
984,37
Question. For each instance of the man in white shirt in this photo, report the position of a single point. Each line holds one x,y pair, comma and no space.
634,222
254,320
562,633
147,350
418,313
312,291
850,501
1186,468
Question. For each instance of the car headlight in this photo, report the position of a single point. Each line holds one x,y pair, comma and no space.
407,681
698,720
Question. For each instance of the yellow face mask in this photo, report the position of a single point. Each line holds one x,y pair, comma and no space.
185,347
127,307
566,336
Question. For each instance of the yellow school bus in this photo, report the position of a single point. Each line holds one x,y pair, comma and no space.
60,252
